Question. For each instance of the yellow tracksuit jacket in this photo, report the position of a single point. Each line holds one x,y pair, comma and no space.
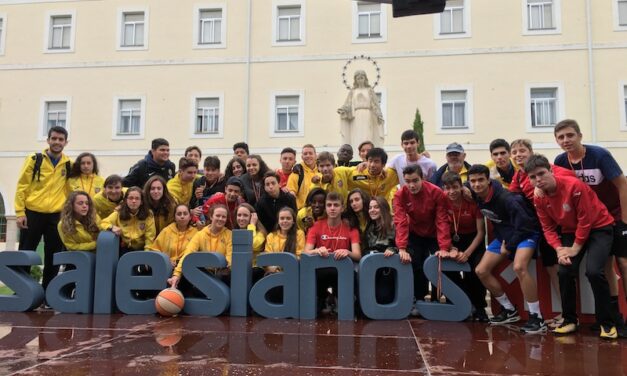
206,241
136,234
46,194
172,242
81,240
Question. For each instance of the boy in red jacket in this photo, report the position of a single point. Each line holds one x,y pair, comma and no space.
586,226
422,226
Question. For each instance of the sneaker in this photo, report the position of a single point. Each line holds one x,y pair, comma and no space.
480,316
608,332
506,316
566,328
327,308
534,325
414,312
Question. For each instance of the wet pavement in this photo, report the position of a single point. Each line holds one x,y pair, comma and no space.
45,343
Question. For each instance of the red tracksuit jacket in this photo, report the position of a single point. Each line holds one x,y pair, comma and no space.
424,214
575,207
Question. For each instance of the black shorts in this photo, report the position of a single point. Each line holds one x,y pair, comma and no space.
547,253
619,246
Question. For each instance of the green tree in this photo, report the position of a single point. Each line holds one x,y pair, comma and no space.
419,127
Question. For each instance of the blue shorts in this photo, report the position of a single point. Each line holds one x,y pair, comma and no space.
530,242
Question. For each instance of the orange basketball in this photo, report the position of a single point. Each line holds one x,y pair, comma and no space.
169,302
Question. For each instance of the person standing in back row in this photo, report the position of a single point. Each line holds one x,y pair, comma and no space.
39,199
156,162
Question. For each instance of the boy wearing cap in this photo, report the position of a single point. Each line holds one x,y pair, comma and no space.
231,198
410,142
455,162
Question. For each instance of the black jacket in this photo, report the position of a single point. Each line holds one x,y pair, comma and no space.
139,174
437,176
268,208
513,218
209,191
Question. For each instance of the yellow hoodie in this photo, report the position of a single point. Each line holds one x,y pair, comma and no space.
92,184
275,242
81,240
136,234
292,184
206,241
180,191
259,239
104,206
172,242
43,195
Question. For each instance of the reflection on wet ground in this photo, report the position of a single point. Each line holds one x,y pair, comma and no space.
50,344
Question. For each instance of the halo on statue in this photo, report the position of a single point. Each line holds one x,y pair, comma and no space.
360,60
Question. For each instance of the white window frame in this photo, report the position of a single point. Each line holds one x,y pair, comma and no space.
557,19
276,4
437,27
383,24
59,13
118,41
3,32
42,132
116,117
209,95
223,28
617,25
622,99
560,108
301,113
469,109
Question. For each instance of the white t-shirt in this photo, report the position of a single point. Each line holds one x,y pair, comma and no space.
400,161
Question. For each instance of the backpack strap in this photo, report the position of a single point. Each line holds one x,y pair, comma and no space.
38,158
301,174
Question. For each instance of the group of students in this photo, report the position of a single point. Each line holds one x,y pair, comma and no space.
346,209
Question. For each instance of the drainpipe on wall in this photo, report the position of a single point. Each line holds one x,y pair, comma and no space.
248,53
591,80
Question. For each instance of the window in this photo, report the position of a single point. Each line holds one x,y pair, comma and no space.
132,29
55,111
287,114
129,117
369,24
620,15
59,32
454,109
545,106
288,24
452,18
2,33
207,116
210,26
56,115
541,16
207,112
369,16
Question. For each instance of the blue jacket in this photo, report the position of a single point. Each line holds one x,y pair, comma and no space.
513,217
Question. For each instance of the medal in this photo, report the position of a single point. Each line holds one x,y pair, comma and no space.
455,237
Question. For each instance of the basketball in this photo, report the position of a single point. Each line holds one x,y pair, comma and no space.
169,302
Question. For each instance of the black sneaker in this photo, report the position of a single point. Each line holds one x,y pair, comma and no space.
534,325
480,316
506,316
